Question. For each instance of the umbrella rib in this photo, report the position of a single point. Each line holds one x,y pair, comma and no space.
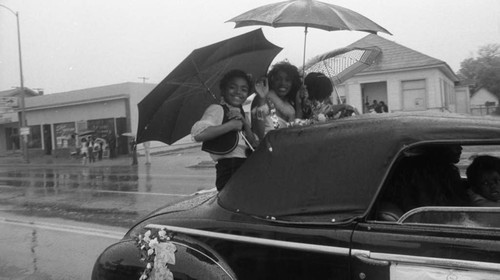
201,80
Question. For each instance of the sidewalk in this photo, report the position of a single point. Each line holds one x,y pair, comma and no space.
122,160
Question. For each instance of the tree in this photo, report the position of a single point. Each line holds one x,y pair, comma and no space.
483,71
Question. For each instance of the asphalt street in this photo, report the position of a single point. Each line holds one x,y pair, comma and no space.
57,215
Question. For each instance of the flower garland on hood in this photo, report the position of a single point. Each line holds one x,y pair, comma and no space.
157,253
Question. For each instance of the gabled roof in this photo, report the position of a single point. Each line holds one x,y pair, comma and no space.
483,89
88,95
396,57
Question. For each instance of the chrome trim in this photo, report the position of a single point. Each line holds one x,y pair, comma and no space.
364,254
206,256
447,209
255,240
371,261
428,261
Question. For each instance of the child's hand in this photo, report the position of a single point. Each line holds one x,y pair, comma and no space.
234,114
235,124
301,95
262,87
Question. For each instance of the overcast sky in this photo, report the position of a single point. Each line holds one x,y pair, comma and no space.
75,44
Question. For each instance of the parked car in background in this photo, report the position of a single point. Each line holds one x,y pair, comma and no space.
380,196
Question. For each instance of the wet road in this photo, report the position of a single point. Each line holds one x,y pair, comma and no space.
112,195
56,219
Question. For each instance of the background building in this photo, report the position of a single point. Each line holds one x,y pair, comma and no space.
483,102
58,121
405,80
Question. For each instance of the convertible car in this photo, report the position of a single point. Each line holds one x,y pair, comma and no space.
379,196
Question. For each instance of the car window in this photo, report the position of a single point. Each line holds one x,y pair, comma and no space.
428,185
475,217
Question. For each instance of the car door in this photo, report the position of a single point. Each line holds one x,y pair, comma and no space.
429,243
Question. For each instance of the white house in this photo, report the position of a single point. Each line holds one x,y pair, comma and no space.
406,80
483,102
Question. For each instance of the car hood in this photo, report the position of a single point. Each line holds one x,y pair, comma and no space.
187,204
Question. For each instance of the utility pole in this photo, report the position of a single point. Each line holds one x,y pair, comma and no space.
143,79
23,129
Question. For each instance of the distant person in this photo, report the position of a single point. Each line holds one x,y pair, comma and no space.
90,148
147,152
383,107
112,145
483,176
377,106
84,151
97,149
374,106
223,125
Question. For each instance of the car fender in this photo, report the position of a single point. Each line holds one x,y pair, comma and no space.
193,260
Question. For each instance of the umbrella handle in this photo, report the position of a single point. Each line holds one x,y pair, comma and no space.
246,140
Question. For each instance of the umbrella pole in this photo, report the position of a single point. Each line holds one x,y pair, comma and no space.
304,56
246,141
338,95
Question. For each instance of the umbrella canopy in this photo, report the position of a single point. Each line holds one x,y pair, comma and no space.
307,13
169,111
341,64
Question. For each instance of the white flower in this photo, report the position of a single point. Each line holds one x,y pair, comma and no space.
153,242
150,252
147,234
162,233
148,266
143,277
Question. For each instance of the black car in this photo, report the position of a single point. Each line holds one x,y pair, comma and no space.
379,196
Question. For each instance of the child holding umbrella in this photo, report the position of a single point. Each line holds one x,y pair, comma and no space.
223,128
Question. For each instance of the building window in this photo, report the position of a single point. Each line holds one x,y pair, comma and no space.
102,128
65,135
414,95
35,137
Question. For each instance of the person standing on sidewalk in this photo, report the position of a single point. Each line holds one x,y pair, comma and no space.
84,151
90,147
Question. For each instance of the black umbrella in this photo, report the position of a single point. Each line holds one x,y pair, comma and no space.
168,112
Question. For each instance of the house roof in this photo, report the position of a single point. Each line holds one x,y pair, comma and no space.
88,95
15,92
396,57
483,89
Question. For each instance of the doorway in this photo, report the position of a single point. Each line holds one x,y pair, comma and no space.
373,94
47,139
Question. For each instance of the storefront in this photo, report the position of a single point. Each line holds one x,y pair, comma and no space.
58,121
